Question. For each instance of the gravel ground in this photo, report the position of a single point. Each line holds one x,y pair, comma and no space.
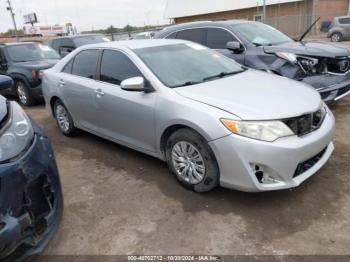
119,201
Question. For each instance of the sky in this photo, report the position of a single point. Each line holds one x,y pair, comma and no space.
86,14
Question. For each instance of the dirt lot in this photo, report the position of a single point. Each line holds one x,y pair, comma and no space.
119,201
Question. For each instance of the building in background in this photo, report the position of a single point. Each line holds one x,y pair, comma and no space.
290,16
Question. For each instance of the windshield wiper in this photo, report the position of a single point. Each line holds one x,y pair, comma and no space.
222,74
188,83
259,44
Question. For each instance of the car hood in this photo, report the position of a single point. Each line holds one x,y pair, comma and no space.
40,64
255,95
309,49
3,108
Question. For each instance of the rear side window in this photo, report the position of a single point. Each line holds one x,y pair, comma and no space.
68,67
217,38
172,36
195,35
116,67
344,21
85,63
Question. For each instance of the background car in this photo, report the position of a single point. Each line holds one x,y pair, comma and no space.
143,35
24,62
196,109
65,45
256,45
340,29
31,201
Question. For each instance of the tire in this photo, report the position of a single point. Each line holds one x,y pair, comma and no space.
24,95
195,155
336,37
64,119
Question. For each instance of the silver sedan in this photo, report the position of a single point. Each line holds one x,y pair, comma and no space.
213,121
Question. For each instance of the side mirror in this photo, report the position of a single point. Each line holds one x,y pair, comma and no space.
5,82
234,46
133,84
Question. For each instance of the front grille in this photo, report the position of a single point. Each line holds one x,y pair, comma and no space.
305,166
307,123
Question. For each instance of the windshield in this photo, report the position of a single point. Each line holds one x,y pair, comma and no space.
92,39
186,64
31,52
261,34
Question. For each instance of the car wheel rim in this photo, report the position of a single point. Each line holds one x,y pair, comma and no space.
336,38
188,162
22,93
62,118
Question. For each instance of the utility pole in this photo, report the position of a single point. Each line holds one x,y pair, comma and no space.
9,8
264,10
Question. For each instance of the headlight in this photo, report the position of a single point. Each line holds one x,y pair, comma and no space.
261,130
287,56
16,135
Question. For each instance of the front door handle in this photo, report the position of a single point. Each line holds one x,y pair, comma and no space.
62,83
99,93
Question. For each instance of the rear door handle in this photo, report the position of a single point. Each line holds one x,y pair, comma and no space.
99,93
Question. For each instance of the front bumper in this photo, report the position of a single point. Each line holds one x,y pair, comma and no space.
237,156
31,203
37,92
330,87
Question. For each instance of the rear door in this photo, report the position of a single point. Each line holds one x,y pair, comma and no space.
78,86
125,116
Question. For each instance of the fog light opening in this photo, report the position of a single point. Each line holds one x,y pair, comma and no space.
262,174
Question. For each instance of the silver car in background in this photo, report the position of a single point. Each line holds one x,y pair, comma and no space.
213,121
340,29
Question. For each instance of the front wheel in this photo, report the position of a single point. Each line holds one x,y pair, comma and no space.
191,160
24,95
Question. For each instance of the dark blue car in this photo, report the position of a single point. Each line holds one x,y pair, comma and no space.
31,201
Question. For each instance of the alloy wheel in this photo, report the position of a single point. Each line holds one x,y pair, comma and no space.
62,118
188,162
22,95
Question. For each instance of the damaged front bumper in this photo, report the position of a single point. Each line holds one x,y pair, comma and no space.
331,87
31,202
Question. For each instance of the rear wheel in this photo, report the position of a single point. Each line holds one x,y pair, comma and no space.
336,37
191,160
64,119
24,95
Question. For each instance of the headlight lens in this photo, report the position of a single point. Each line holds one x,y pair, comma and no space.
16,135
287,56
261,130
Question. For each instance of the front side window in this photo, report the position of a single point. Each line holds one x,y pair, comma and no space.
186,64
85,63
217,38
116,67
68,67
195,35
31,52
261,34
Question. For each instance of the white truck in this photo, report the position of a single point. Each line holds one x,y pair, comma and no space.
43,30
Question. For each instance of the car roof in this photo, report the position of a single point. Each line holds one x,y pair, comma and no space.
136,44
224,23
75,36
339,17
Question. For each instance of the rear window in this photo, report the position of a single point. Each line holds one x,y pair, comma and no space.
87,40
344,20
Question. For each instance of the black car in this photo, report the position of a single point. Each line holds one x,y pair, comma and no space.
256,45
31,201
65,45
23,62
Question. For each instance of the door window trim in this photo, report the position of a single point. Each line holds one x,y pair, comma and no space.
205,27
